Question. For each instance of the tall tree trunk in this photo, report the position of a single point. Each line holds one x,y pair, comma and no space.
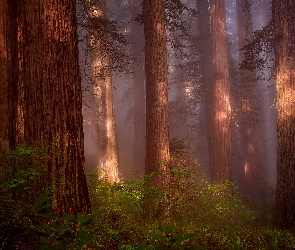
206,68
53,98
221,164
137,43
157,125
4,75
252,140
8,73
101,73
284,15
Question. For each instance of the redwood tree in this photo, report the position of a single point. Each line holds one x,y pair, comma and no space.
206,69
137,43
220,130
252,139
157,127
284,29
4,83
8,73
103,95
53,97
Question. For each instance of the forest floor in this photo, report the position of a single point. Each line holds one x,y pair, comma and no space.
199,215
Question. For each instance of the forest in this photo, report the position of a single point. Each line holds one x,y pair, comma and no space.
147,124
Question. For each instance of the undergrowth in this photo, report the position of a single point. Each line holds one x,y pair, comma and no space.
202,215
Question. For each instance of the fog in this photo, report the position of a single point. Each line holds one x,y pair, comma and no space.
187,102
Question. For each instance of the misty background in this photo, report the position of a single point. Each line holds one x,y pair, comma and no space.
187,90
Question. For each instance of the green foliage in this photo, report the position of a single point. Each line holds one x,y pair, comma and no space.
166,238
22,165
202,215
65,232
21,173
26,218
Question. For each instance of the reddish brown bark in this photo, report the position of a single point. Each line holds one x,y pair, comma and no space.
157,126
284,15
221,169
53,97
4,84
8,73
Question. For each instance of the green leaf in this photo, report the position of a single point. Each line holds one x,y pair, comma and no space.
46,212
141,248
68,235
41,199
169,230
161,228
158,237
67,217
80,218
86,240
189,236
177,237
82,234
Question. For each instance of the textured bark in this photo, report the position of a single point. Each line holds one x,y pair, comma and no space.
4,76
53,98
252,139
4,83
284,15
8,73
137,41
221,164
101,73
9,90
157,126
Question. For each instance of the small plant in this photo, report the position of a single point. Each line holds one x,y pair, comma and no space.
65,232
21,173
167,239
26,219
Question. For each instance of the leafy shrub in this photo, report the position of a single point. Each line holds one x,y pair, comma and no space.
26,219
21,171
194,203
201,213
65,232
167,238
